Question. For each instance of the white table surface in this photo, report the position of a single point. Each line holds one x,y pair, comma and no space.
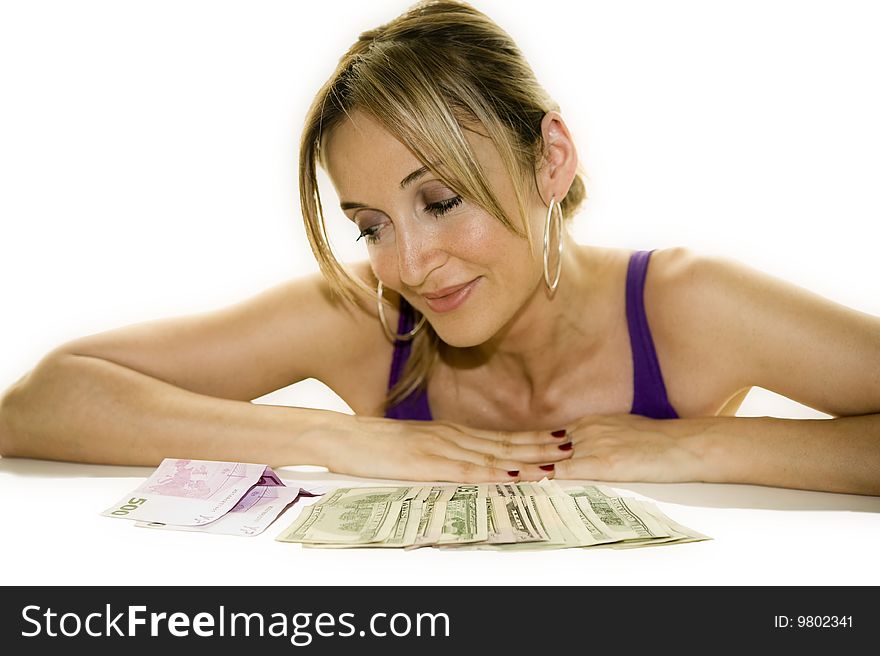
53,534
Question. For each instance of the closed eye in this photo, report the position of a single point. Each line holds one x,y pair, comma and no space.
439,208
443,206
370,234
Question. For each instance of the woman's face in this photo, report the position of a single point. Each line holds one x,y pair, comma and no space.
422,238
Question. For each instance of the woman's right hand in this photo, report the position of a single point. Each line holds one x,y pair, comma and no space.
441,451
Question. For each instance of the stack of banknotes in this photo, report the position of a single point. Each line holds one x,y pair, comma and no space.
208,496
511,516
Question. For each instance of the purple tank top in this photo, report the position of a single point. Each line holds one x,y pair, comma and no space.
649,391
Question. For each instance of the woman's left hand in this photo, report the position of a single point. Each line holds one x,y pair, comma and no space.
627,447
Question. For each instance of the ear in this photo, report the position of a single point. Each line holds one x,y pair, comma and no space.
559,160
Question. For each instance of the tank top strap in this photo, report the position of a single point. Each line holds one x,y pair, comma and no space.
414,406
401,348
649,390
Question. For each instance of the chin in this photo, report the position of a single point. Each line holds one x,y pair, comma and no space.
464,336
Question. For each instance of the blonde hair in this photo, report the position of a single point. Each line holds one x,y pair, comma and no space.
438,69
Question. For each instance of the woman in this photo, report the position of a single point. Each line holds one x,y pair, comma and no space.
514,352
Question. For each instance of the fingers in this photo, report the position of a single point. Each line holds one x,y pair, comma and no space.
461,471
438,468
523,470
510,437
449,452
517,453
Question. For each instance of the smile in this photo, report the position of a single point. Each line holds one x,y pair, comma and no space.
451,301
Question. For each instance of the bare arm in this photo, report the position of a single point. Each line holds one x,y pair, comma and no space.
828,455
754,329
85,409
181,388
831,455
806,347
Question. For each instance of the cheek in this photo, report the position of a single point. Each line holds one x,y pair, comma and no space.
487,240
384,267
476,242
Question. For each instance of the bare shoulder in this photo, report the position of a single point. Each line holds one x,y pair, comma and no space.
684,288
685,294
359,371
348,349
728,326
292,331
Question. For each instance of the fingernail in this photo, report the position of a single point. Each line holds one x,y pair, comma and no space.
558,433
513,472
547,467
565,447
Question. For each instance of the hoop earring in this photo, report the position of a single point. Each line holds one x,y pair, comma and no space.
551,286
394,336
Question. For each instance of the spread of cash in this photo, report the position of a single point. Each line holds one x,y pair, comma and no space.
511,516
231,498
234,498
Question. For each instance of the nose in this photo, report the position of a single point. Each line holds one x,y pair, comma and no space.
417,254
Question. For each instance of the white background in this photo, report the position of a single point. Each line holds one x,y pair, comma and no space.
148,151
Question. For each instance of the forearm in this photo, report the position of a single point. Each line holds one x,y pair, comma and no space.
833,455
85,409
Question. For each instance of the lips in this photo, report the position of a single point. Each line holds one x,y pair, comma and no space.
446,291
450,300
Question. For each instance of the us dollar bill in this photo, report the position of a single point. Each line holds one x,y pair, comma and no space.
465,516
508,516
350,516
618,514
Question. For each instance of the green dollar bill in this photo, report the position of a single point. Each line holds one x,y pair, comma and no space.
465,518
349,516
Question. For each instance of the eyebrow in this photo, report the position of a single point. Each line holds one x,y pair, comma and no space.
412,177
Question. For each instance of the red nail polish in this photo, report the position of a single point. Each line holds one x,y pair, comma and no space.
513,472
568,446
558,433
547,467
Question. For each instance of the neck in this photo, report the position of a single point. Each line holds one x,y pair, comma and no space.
532,350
